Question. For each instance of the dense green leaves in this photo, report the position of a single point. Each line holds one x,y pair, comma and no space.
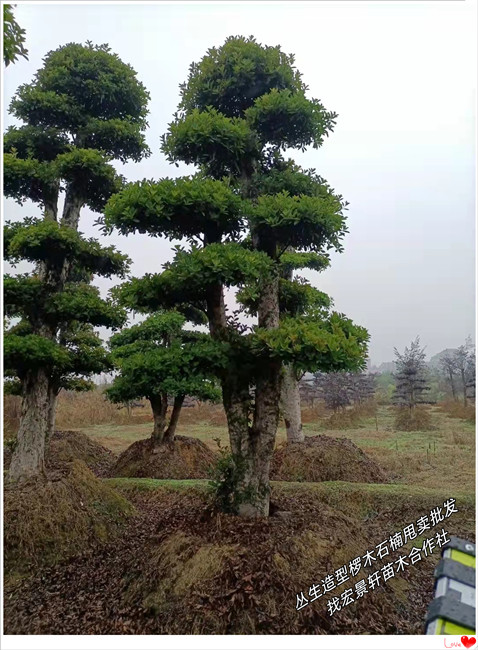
296,297
331,345
13,37
23,295
292,260
208,138
31,298
158,357
24,353
156,329
35,142
305,222
229,264
48,241
89,176
230,78
118,138
185,207
82,302
76,355
29,179
286,119
83,108
187,280
78,83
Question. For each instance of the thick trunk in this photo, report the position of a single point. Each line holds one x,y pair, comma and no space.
28,459
71,209
258,451
159,406
173,422
261,437
236,400
290,405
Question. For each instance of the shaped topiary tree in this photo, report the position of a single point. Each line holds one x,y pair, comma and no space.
83,109
242,104
160,361
53,346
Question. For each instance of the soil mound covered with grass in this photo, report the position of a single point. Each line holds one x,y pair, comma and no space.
323,458
66,446
185,458
179,565
53,518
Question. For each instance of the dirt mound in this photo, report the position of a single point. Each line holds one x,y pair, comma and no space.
184,458
68,445
49,520
323,458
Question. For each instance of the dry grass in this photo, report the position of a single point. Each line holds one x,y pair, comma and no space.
314,413
419,419
457,409
174,567
46,521
78,410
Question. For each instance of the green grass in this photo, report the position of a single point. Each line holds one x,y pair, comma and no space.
148,484
344,487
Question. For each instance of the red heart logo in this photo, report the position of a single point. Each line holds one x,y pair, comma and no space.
468,641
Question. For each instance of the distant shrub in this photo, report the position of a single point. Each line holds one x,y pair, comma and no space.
418,419
456,409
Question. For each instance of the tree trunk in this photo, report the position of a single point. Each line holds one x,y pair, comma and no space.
173,422
71,209
236,400
28,459
261,437
452,383
159,406
39,399
290,405
465,399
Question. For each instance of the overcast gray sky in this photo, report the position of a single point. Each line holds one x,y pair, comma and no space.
401,76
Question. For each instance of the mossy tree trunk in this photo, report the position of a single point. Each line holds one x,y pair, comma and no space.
261,436
28,458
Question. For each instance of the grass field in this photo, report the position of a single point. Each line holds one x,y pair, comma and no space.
441,458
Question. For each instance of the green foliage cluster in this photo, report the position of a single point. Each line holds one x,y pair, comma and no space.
13,37
309,344
183,207
232,77
158,357
48,241
83,108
